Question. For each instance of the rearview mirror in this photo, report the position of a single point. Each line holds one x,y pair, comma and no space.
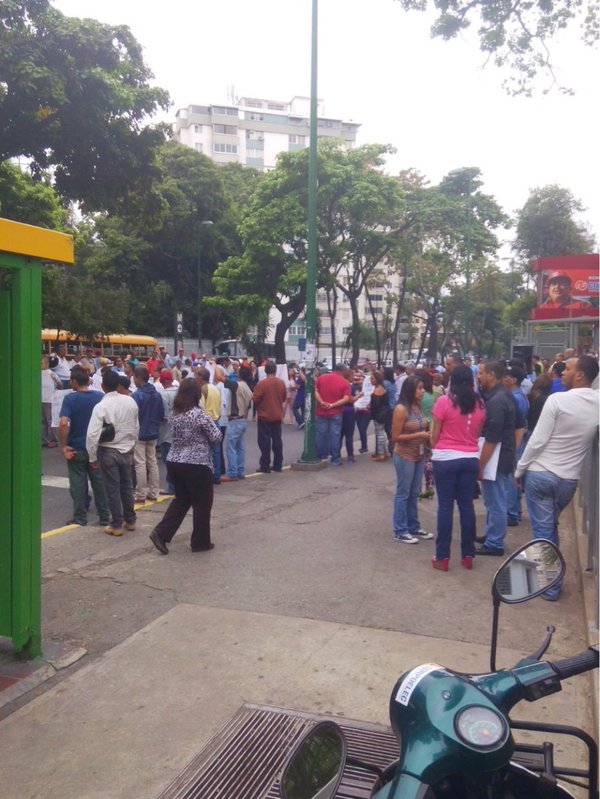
314,770
529,572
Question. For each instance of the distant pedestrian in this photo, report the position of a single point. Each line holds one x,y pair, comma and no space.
50,384
167,394
240,399
75,417
114,455
380,414
189,464
210,400
151,414
362,407
269,397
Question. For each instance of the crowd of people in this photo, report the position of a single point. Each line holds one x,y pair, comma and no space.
496,428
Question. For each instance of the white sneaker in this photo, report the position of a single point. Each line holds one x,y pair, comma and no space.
407,538
423,534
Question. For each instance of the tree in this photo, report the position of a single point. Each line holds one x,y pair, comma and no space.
515,34
357,207
75,96
547,226
33,202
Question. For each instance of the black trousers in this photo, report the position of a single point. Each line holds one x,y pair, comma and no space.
347,434
269,436
193,489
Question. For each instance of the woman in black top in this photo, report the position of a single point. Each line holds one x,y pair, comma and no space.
190,470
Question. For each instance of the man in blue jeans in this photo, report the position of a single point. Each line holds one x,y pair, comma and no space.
551,463
332,391
498,428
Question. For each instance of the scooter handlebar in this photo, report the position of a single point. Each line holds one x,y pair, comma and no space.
578,664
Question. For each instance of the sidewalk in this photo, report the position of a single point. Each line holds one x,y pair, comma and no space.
306,603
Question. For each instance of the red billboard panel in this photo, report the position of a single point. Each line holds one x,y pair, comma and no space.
568,287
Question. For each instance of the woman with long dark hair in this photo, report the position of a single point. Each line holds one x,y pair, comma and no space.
457,422
410,434
380,413
190,470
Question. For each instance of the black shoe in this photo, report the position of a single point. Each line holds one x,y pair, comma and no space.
278,470
74,521
203,549
160,545
216,482
484,550
512,523
480,539
263,471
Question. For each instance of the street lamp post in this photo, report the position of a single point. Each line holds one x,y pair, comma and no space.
206,223
309,455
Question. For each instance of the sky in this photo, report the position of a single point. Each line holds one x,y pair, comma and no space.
434,101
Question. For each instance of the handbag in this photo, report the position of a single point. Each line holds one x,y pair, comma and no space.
108,432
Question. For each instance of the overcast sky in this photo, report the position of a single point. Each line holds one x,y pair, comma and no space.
433,101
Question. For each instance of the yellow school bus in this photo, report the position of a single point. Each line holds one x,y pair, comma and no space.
140,347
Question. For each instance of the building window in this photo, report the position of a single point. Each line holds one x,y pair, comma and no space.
276,106
296,139
230,130
197,128
229,112
254,103
219,147
325,331
255,135
251,152
199,147
256,117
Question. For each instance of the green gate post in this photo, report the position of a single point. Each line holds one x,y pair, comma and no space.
23,250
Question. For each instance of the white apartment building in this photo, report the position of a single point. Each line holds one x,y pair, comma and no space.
253,131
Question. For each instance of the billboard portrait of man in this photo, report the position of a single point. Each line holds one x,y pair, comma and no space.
559,296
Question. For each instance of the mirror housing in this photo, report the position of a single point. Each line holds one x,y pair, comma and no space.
315,767
530,571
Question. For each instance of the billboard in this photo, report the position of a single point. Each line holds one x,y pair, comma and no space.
568,287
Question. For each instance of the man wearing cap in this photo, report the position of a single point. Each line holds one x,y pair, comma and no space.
558,286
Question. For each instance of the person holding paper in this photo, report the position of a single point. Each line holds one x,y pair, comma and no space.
499,434
458,419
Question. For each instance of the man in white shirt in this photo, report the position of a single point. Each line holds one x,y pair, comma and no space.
62,367
557,448
115,456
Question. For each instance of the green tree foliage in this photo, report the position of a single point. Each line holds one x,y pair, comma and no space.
159,260
547,225
517,35
357,208
75,96
33,202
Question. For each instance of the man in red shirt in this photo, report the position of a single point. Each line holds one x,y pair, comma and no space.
332,391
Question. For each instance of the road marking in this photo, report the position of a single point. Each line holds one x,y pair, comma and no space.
55,482
63,482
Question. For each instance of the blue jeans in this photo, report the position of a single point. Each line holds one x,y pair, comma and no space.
514,511
164,448
298,410
408,483
455,480
236,448
546,496
216,451
362,423
494,493
329,430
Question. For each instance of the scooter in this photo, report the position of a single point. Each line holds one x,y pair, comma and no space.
454,731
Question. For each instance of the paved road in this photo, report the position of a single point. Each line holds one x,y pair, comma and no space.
56,502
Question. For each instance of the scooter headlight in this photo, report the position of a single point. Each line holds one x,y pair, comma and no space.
481,727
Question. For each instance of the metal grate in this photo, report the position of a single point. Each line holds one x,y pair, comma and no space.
246,757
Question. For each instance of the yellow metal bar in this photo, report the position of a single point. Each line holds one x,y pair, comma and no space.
35,242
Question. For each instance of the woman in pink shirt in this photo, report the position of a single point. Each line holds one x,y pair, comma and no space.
457,421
